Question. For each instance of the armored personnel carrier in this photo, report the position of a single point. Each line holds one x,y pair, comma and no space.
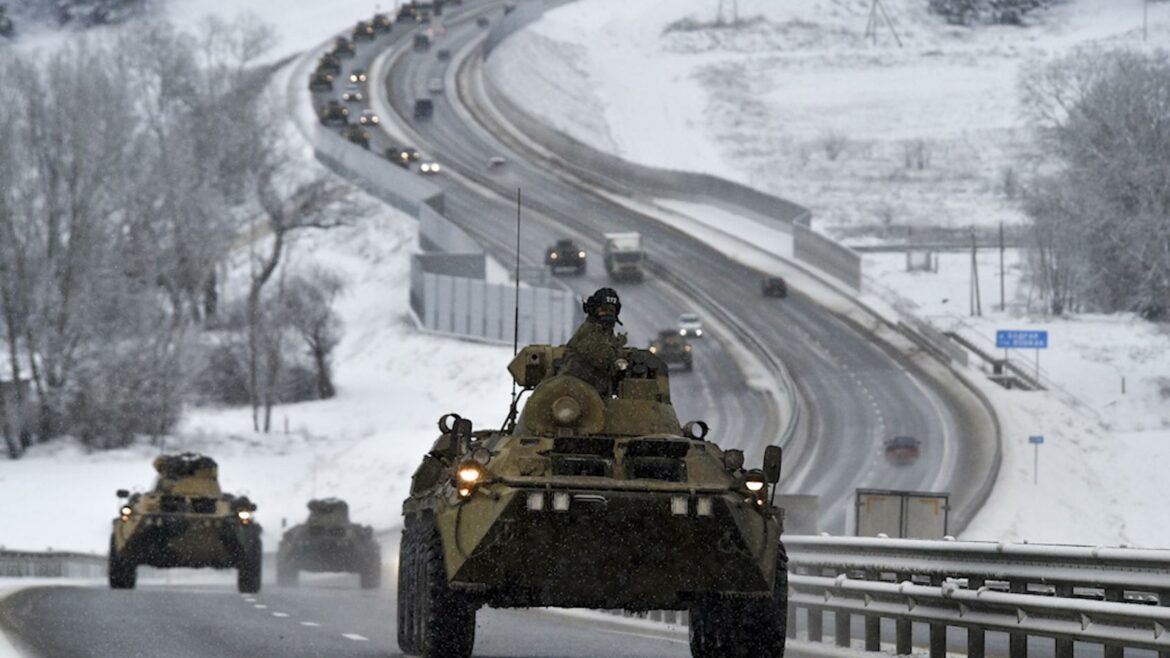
364,31
320,81
185,521
592,500
565,255
343,48
327,541
673,349
329,63
356,135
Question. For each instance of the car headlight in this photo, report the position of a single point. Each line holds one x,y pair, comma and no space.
698,332
580,254
682,332
553,256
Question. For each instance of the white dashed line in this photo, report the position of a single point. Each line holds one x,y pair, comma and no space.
248,599
260,606
312,624
280,614
355,637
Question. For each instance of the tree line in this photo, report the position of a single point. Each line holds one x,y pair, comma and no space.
1100,202
132,169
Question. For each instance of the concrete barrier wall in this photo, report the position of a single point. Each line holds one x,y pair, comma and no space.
448,290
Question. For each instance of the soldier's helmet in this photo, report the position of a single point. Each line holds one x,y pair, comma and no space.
604,306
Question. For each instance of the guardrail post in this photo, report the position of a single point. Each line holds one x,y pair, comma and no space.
1164,601
843,627
873,623
1112,650
1018,642
903,627
938,632
976,637
1064,648
816,625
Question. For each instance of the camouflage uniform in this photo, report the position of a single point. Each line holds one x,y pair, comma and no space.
590,354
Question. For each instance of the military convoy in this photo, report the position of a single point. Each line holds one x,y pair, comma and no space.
328,541
592,500
673,349
186,520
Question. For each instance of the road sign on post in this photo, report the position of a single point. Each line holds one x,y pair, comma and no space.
1036,442
1009,339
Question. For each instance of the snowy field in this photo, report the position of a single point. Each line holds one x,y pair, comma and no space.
799,103
393,384
871,135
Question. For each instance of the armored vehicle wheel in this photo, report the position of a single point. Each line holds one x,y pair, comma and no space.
249,571
372,573
287,575
736,628
123,573
444,621
407,598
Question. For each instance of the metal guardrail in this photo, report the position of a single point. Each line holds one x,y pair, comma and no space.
51,564
1117,597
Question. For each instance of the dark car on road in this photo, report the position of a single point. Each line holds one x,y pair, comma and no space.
774,286
424,108
903,450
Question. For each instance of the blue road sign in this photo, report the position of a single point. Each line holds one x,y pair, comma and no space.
1021,340
1036,439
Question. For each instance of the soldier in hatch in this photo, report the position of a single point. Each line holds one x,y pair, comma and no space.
591,352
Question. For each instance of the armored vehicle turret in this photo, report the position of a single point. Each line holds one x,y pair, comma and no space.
592,497
185,521
328,541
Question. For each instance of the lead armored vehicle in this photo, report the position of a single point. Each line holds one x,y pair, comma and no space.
591,500
186,520
328,541
673,349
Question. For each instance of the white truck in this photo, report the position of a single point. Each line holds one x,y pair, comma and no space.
624,256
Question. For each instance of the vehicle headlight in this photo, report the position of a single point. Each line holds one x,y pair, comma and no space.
126,510
687,348
435,167
245,516
653,350
754,481
580,254
682,332
698,332
470,473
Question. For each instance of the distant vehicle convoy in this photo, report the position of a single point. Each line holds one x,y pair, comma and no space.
624,256
565,255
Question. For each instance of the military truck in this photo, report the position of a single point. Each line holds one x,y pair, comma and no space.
673,349
320,81
334,114
343,48
624,256
329,63
356,135
565,255
328,541
424,108
364,31
586,500
382,22
186,520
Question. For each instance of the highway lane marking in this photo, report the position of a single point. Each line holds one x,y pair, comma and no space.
355,637
311,624
248,599
280,614
260,606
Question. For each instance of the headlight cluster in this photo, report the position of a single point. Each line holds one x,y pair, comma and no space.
755,482
471,473
126,512
429,167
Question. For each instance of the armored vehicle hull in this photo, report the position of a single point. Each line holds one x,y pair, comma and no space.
186,521
595,498
329,542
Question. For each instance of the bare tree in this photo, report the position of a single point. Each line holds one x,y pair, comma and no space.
310,299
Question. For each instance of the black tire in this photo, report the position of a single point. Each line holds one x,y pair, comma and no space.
407,594
371,575
249,572
737,628
287,575
123,573
445,618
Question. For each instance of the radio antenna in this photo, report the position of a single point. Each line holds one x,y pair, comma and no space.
510,423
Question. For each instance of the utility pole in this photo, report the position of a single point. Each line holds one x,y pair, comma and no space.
1002,278
871,26
976,302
